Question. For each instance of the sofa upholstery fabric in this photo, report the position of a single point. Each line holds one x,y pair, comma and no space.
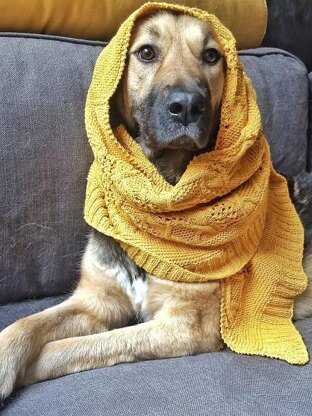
282,86
44,160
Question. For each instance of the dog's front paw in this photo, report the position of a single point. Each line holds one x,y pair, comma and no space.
13,359
7,381
8,373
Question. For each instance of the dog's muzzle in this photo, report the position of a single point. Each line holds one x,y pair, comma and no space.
180,118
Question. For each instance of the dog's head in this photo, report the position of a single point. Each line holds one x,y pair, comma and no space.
172,87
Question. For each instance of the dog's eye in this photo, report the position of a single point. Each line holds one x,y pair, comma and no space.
146,53
211,56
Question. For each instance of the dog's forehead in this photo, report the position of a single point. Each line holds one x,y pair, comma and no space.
169,25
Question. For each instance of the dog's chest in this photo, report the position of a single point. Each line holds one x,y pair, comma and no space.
136,289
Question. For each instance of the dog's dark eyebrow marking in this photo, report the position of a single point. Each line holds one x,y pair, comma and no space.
154,31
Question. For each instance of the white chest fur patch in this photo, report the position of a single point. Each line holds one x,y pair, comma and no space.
136,291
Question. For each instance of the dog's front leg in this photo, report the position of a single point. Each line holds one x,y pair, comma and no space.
98,304
159,338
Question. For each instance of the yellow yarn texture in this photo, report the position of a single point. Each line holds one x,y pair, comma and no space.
228,218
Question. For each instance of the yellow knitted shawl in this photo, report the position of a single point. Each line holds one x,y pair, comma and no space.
228,218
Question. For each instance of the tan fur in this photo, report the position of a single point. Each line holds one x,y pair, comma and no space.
185,321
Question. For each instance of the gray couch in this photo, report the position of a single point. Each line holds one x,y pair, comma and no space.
44,160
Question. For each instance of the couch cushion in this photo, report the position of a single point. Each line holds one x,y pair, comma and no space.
222,383
45,156
281,83
94,19
44,159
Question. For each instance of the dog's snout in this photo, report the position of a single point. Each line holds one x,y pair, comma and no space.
185,107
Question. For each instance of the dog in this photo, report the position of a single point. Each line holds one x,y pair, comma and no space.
119,313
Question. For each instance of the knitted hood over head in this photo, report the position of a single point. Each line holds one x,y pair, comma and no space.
228,218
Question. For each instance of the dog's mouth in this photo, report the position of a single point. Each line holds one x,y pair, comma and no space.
175,140
169,135
187,143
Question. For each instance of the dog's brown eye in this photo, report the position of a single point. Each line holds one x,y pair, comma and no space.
146,53
211,56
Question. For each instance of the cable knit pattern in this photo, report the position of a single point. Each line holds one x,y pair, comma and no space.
228,218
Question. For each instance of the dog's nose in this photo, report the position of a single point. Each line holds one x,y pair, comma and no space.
185,107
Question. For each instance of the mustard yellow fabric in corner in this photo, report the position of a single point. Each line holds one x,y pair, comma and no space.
228,218
100,19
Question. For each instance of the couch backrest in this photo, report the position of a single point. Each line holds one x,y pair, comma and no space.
45,156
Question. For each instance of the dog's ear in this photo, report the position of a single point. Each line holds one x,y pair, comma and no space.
121,105
115,116
117,113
